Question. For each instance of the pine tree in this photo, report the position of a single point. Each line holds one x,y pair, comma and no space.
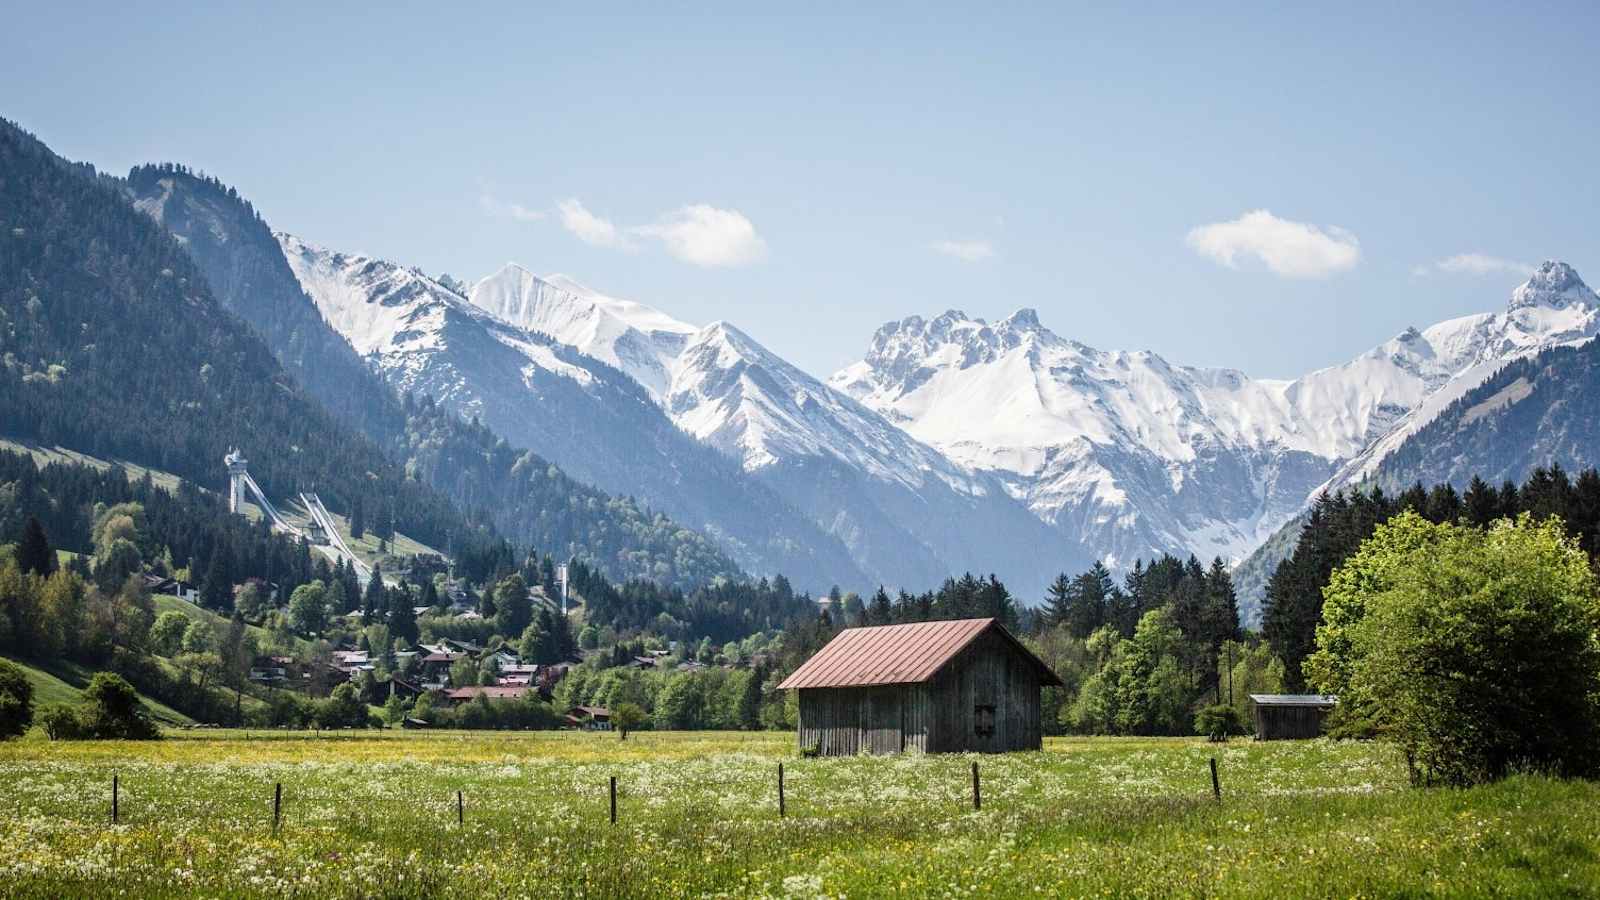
748,715
216,591
375,602
402,617
358,518
35,554
1481,502
1058,601
881,611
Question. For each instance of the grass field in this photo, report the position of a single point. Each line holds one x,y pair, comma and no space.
375,815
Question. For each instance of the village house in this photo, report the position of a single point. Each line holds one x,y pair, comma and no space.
936,687
589,718
273,670
350,662
161,584
518,674
469,693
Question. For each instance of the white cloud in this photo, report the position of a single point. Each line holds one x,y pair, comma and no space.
966,251
1291,249
496,207
590,228
706,236
1474,264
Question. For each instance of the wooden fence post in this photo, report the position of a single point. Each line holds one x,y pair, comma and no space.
461,810
780,791
114,791
613,799
277,804
1216,786
977,793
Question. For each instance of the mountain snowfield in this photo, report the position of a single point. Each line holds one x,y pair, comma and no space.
954,443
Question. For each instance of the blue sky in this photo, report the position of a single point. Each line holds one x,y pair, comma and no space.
810,176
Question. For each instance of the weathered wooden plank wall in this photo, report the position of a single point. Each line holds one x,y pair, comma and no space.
1275,722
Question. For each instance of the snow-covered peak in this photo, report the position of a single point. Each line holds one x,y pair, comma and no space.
377,305
635,338
733,393
1555,285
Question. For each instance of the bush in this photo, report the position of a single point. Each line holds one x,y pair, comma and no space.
1218,722
62,722
112,710
1475,650
344,709
16,701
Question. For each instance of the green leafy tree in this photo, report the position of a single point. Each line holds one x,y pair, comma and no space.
1475,650
16,701
626,717
513,608
308,608
166,635
199,637
394,709
115,563
344,708
252,601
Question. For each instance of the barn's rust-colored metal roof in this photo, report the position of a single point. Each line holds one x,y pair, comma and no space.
898,654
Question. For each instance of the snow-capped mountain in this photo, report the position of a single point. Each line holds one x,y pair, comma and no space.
582,414
1551,309
1129,454
1122,452
954,443
901,506
630,336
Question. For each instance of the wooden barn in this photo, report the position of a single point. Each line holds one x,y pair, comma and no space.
934,687
1290,716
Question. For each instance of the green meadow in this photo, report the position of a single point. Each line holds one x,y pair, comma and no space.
376,814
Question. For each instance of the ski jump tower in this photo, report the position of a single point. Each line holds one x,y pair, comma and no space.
238,478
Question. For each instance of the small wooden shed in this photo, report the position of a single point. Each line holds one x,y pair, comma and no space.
934,687
1290,716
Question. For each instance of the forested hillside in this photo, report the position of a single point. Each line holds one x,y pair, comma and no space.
1535,412
114,345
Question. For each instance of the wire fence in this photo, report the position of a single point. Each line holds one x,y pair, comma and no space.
784,790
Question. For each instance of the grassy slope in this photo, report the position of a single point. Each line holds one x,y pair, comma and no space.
697,816
64,683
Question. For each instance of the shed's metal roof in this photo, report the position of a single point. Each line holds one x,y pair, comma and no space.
1294,699
898,654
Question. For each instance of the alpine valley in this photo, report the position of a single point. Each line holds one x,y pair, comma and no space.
573,419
